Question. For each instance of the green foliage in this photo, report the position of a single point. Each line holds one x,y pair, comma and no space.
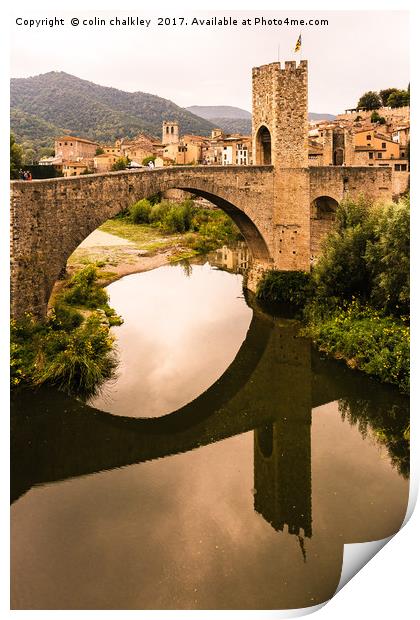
83,290
73,349
399,98
77,362
370,341
139,213
388,258
286,287
120,164
148,159
99,151
341,272
16,156
55,103
377,118
357,302
385,94
370,101
367,256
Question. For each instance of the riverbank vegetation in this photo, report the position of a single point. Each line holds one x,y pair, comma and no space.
73,349
193,229
355,302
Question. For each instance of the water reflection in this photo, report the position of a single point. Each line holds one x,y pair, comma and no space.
241,498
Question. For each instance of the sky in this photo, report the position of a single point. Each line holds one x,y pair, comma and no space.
201,65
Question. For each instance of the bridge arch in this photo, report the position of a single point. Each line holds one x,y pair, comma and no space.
54,216
263,146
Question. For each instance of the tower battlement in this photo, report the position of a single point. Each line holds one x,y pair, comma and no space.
289,66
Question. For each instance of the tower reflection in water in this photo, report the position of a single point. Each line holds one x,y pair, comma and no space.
282,449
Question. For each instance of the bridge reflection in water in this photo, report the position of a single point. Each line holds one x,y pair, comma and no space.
271,388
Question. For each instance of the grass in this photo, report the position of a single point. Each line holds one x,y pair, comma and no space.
142,235
73,349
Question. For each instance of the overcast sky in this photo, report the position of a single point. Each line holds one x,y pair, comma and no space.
357,51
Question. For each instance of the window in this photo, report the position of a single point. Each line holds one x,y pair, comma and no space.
370,155
403,154
397,167
379,155
369,137
65,143
403,167
384,145
172,130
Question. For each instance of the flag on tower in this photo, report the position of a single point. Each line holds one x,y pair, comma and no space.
298,43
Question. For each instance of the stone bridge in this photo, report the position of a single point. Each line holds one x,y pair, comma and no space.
50,218
282,206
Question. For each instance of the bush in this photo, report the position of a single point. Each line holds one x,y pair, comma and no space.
69,351
367,339
286,287
139,213
83,290
79,361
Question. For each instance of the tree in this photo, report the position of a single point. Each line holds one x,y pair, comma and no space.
385,94
388,258
377,118
341,271
16,155
369,101
99,151
121,164
146,160
399,98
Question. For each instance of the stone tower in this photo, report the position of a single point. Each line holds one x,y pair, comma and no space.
280,115
280,139
170,132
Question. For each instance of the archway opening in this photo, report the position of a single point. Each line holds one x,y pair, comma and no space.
323,212
338,157
253,238
263,147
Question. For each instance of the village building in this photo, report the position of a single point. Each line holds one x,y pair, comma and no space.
72,148
141,147
105,161
76,168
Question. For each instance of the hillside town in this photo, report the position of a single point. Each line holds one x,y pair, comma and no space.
356,138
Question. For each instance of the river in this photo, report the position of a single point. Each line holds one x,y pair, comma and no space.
224,468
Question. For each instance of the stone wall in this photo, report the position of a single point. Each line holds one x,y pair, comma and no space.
337,182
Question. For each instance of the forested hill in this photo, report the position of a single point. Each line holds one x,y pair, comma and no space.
51,103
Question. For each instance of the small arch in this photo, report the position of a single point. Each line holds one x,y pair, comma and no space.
323,213
263,147
324,208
